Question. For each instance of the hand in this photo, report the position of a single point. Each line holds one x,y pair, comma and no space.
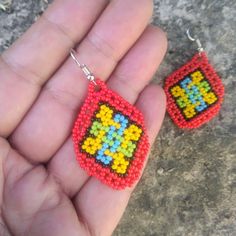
43,189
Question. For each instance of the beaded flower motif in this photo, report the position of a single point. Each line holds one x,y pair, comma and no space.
110,138
194,93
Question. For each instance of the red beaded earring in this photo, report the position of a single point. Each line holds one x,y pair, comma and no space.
109,135
194,92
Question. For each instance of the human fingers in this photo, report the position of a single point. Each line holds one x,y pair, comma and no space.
32,202
137,69
34,57
51,118
4,150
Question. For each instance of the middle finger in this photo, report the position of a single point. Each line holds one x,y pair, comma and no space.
52,116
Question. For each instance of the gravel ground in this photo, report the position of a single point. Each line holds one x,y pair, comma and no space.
188,187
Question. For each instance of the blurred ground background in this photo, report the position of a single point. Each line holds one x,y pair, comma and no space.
189,185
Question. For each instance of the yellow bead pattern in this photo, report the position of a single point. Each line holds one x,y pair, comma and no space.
112,139
193,94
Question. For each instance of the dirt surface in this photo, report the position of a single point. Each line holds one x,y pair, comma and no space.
188,187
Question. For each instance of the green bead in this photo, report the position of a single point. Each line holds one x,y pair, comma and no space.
111,143
181,103
122,150
130,149
130,144
129,154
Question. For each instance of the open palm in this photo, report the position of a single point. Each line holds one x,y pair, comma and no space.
43,190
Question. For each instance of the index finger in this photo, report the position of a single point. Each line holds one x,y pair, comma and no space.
31,60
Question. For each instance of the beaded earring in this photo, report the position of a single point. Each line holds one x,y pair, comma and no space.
109,135
194,92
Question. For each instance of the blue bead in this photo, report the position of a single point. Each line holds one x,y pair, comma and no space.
117,116
122,118
100,152
186,81
199,108
120,132
117,142
121,129
113,128
110,132
123,126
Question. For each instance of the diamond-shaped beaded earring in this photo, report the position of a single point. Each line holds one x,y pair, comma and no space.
109,135
194,91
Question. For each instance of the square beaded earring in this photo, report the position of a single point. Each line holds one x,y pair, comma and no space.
109,135
194,92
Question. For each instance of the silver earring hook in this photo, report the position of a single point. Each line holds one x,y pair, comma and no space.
200,48
89,75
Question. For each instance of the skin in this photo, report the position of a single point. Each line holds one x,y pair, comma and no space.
43,190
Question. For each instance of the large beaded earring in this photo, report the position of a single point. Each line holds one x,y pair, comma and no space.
109,135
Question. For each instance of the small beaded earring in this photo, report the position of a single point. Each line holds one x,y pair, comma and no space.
109,135
194,92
